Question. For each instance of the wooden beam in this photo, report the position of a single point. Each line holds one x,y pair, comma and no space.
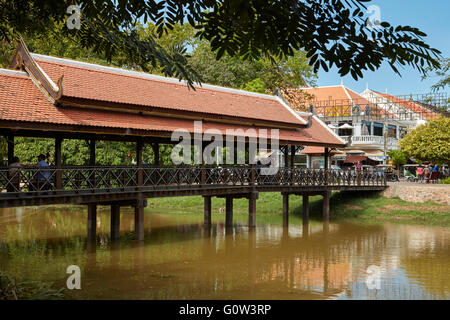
285,210
155,148
326,206
139,146
286,157
92,222
292,156
139,222
252,211
207,210
92,143
58,163
10,142
305,209
229,211
115,222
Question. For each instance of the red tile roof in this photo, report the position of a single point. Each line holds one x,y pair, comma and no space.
22,102
316,150
114,85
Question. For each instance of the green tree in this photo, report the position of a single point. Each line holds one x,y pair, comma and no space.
332,32
429,142
256,85
398,158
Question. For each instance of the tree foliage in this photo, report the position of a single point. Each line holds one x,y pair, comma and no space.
332,32
429,142
441,72
398,157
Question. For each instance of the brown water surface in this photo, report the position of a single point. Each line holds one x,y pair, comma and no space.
181,259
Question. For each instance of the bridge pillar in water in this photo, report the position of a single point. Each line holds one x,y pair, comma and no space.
229,211
252,209
326,205
207,210
115,221
92,222
285,210
305,208
139,222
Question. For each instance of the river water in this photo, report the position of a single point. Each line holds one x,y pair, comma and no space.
180,259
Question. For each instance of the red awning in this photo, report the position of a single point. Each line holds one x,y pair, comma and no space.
354,159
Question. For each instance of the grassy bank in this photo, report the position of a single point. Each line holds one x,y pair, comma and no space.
343,206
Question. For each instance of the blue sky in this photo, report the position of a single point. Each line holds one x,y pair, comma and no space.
431,17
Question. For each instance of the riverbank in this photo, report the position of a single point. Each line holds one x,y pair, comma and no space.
419,192
343,206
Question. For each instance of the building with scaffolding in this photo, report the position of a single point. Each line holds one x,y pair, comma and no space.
372,123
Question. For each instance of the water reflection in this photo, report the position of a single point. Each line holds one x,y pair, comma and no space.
182,259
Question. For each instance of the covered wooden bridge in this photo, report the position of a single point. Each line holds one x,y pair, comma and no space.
49,97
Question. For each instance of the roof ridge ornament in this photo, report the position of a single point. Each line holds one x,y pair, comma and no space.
23,60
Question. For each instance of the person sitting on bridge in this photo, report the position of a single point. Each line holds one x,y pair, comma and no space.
14,175
44,175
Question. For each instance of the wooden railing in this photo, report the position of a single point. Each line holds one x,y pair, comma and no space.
83,179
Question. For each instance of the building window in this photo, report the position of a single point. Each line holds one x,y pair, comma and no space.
392,131
377,129
365,128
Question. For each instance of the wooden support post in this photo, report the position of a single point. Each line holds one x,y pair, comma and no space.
155,147
229,211
305,210
285,210
326,206
326,155
91,144
252,210
292,156
91,152
92,222
10,142
58,163
203,170
207,210
115,221
139,222
292,165
286,156
140,179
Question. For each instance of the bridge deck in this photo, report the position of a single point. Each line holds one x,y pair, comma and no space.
108,184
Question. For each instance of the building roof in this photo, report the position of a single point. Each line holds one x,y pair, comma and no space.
66,95
410,105
331,101
24,104
312,150
91,82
